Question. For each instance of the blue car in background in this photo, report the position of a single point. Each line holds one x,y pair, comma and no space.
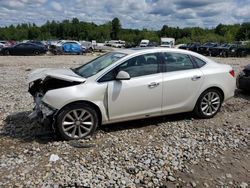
72,48
69,47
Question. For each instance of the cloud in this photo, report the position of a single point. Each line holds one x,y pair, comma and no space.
182,4
152,14
56,6
12,4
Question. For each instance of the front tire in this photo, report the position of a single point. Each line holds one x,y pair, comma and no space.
208,104
77,121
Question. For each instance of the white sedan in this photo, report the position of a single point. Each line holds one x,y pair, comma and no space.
127,85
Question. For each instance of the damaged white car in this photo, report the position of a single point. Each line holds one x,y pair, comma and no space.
127,85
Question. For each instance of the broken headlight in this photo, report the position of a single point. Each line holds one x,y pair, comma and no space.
46,109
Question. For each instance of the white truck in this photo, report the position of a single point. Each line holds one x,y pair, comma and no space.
144,43
167,42
117,43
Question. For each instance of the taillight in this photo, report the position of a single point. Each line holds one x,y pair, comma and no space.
232,73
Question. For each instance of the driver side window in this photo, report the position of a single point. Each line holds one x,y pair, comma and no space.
137,66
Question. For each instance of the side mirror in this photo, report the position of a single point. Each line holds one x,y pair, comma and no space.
122,75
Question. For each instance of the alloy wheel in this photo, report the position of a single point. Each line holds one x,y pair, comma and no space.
210,103
77,123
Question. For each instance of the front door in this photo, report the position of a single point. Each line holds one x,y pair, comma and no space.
141,96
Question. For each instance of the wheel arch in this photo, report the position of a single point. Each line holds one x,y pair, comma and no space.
196,109
213,87
96,108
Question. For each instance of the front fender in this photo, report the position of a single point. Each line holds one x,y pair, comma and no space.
93,93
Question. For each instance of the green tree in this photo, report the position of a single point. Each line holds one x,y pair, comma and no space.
116,27
244,32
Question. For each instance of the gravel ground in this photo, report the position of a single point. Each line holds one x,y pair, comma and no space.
169,151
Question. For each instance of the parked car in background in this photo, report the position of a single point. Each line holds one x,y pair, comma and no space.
89,47
226,50
219,50
183,46
1,45
118,44
126,85
144,43
167,42
194,46
205,49
152,44
68,47
24,49
52,43
61,42
115,43
130,45
243,79
4,43
38,43
240,51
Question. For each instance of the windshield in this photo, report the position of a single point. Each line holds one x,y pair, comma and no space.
98,64
165,43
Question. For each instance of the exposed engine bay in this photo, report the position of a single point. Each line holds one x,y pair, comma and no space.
42,86
42,112
41,81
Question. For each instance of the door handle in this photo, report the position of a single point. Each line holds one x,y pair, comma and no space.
153,84
194,78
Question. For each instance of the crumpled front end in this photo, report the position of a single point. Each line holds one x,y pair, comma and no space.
43,80
42,112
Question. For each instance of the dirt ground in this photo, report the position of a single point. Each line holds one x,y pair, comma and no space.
169,151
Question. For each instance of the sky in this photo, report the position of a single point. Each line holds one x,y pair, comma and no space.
150,14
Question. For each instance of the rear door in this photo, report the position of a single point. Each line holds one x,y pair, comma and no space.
182,81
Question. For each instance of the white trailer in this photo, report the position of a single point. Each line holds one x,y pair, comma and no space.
167,42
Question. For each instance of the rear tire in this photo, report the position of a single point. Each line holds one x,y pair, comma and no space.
7,52
208,104
77,121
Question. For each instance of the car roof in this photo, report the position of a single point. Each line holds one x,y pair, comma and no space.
153,50
140,50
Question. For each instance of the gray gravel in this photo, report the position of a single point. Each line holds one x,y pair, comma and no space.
169,151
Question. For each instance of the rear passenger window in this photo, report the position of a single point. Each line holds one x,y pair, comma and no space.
177,62
199,62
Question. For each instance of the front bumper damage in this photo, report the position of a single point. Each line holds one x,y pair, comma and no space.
43,80
42,112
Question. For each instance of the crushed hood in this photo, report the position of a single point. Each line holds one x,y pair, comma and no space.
61,74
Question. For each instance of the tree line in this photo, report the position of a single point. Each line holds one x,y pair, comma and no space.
80,30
